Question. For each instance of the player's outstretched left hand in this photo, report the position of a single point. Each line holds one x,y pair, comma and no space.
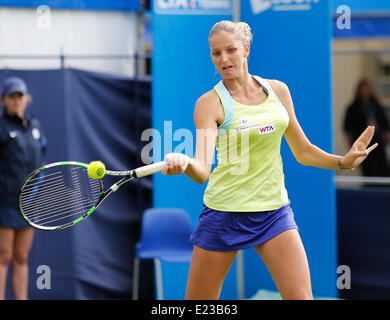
359,152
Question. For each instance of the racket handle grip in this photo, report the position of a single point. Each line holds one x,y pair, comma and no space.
149,169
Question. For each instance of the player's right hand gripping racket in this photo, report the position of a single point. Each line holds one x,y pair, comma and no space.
62,194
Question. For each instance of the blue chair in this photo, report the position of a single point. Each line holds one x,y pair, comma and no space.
165,236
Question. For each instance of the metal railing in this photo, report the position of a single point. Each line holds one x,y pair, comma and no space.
64,58
360,180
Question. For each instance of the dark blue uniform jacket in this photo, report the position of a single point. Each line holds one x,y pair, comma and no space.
22,150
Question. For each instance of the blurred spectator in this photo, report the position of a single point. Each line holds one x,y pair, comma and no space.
366,110
22,146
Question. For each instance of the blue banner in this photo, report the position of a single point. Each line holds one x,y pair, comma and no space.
292,43
88,116
363,6
127,5
364,240
182,72
363,27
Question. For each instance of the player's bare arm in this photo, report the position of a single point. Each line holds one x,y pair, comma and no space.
310,155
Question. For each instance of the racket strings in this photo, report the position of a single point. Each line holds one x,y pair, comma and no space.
56,187
49,185
49,173
59,195
59,209
56,195
43,210
61,216
48,177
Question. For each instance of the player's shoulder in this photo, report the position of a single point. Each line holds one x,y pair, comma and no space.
208,98
281,90
278,86
209,106
208,101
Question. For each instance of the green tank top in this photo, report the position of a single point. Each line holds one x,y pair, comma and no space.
249,175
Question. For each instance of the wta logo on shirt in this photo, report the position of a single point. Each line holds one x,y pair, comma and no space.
267,129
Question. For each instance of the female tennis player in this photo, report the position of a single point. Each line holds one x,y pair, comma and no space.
246,203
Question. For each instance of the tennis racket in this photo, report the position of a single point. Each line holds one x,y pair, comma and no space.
62,194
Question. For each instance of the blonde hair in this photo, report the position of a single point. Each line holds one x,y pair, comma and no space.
240,29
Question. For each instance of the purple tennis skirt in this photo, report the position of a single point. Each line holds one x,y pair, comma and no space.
230,231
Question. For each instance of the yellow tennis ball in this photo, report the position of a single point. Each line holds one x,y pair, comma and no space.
96,170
